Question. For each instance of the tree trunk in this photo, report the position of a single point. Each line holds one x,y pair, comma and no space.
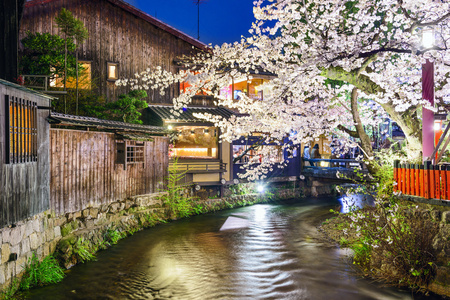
366,144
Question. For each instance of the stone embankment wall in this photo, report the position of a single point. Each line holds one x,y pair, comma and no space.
95,228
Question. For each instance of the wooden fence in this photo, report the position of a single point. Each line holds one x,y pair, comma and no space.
426,180
84,170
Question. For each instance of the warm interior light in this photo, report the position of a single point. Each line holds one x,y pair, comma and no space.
428,37
194,152
323,163
170,127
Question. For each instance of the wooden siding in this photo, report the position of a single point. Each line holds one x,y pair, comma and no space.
24,187
115,35
84,172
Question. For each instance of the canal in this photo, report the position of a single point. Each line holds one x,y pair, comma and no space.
265,251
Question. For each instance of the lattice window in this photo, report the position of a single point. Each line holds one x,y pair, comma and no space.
21,139
135,152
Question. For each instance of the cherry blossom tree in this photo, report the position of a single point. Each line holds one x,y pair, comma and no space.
339,65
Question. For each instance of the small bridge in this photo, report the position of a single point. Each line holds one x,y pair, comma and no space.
322,168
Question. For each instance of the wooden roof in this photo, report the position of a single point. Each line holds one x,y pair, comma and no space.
140,14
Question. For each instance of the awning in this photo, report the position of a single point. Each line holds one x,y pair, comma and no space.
166,113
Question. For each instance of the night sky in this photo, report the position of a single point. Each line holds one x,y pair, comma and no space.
221,21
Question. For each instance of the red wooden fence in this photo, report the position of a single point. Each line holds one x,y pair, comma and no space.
426,180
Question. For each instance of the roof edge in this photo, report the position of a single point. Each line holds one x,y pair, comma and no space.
146,17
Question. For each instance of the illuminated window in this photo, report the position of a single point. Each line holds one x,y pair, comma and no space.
195,142
113,71
21,137
84,78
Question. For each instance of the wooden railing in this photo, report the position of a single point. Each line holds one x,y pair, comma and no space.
333,163
426,180
201,167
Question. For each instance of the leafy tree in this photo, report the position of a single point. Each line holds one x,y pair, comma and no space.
73,30
44,55
126,109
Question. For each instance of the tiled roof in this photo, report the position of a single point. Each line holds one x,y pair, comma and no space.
165,112
25,89
62,119
140,14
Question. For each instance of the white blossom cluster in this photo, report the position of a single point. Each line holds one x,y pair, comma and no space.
299,40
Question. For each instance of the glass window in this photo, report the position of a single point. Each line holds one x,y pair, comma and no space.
21,119
84,78
195,142
113,71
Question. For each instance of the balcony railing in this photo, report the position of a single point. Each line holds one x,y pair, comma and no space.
40,83
201,167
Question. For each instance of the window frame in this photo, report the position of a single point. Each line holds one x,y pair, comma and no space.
116,65
21,130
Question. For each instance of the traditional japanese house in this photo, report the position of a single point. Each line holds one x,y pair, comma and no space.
122,41
96,161
195,146
24,153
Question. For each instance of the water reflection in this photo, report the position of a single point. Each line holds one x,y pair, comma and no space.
265,252
355,201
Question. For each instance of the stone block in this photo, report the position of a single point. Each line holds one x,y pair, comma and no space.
113,207
46,249
435,215
85,213
15,235
2,275
28,229
20,264
57,232
36,225
34,242
77,215
446,217
93,212
10,270
6,251
1,237
15,249
25,245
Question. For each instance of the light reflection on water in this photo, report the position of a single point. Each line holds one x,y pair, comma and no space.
276,252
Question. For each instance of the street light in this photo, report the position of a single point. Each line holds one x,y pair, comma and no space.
427,94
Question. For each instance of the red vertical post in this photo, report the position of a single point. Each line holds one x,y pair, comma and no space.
417,180
426,184
437,182
408,179
431,182
421,182
447,183
403,178
443,182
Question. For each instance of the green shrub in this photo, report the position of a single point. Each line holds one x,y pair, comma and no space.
82,250
41,273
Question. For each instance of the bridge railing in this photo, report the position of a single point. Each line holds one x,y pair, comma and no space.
423,180
333,163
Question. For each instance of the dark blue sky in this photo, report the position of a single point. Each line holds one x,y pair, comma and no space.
220,20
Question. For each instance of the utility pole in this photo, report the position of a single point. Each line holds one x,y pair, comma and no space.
198,2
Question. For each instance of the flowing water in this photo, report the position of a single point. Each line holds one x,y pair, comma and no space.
265,251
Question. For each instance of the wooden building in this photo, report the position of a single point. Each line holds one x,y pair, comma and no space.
96,162
24,153
122,41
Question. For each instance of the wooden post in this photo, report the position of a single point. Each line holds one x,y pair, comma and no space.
417,180
432,181
443,182
426,185
447,182
408,180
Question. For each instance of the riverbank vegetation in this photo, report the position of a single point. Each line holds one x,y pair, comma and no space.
398,242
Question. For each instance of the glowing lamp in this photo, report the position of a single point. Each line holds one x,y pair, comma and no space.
428,37
437,126
170,127
260,188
